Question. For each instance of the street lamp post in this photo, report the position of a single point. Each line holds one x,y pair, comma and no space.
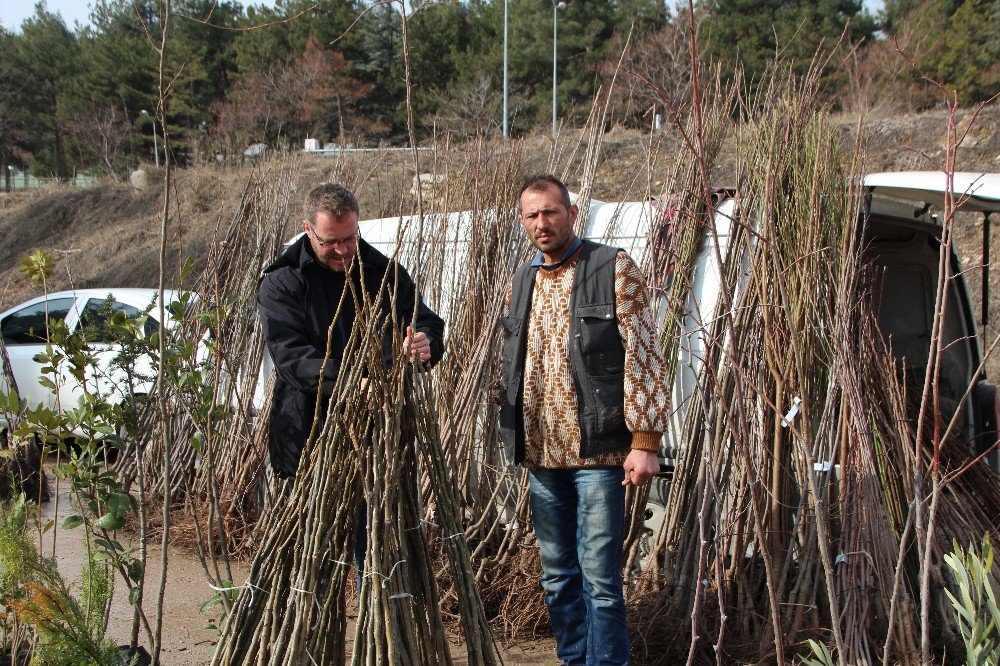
156,149
556,6
506,130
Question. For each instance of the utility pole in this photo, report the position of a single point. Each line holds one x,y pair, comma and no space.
156,150
556,6
506,128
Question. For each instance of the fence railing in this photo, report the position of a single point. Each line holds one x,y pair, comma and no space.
23,180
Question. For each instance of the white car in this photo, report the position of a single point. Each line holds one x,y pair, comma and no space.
24,335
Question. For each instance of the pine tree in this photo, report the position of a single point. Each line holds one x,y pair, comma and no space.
439,36
119,67
754,33
46,55
957,43
14,115
968,59
381,67
255,50
201,49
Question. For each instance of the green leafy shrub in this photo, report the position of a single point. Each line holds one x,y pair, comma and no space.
976,612
66,629
822,655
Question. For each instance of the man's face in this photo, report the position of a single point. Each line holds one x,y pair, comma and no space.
548,223
334,240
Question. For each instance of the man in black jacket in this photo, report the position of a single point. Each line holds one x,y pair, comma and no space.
299,298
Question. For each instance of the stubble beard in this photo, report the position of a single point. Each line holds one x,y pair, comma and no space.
339,264
553,244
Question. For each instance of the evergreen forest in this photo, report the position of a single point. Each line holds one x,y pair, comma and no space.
84,97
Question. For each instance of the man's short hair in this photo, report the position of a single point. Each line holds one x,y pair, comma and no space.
543,181
331,198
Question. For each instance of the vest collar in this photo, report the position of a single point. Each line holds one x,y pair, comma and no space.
539,260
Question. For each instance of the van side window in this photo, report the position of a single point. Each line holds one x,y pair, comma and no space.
904,311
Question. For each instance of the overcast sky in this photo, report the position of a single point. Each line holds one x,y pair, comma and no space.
13,12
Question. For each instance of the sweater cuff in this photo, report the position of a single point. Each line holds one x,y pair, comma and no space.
646,441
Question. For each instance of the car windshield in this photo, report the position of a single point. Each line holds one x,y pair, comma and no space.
27,326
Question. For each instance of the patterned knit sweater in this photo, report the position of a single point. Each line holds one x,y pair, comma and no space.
552,431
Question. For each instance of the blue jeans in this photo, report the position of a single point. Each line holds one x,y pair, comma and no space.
579,518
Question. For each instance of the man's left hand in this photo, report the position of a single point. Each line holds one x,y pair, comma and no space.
640,466
418,345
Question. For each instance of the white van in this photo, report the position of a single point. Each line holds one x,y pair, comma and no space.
902,242
904,239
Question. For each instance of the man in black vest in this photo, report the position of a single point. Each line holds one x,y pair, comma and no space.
584,406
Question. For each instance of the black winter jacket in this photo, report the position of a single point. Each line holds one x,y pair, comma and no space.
295,328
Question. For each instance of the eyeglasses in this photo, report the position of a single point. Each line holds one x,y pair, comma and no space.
350,241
